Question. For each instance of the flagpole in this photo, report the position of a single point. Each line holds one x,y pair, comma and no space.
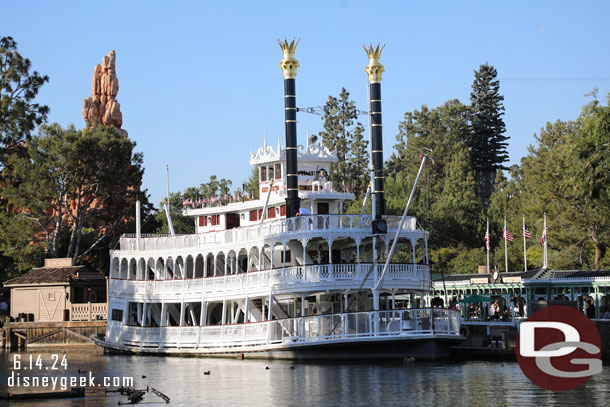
546,238
505,247
487,245
524,245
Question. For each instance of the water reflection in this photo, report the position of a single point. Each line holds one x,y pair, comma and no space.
234,382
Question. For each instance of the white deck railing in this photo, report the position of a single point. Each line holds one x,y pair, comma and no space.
89,311
295,331
345,276
295,225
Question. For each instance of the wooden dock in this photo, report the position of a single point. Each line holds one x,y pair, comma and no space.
497,340
17,335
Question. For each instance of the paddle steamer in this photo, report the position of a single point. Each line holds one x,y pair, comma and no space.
288,275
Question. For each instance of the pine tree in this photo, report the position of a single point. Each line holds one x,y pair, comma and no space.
347,139
487,141
18,87
358,163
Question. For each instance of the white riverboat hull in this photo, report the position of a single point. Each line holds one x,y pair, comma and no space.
423,334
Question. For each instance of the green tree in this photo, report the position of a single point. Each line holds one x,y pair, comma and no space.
358,163
251,185
425,131
487,141
212,187
566,175
457,213
590,177
83,184
341,134
19,115
182,224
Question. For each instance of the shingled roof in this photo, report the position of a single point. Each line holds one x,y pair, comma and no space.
54,275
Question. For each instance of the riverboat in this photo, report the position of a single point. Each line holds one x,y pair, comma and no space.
289,275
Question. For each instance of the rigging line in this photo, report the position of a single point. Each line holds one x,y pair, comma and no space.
558,79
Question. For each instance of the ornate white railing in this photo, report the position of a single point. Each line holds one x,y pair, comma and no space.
408,276
294,331
89,311
295,225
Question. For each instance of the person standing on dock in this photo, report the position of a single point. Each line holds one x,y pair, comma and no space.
3,307
590,309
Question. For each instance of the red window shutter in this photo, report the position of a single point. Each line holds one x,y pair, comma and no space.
201,220
271,213
253,217
283,210
278,171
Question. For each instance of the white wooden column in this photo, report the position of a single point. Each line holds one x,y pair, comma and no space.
426,243
283,256
182,309
270,316
163,321
144,310
203,318
224,311
247,310
413,250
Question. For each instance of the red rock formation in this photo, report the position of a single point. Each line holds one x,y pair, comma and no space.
102,107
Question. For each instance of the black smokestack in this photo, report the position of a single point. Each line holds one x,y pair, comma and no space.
374,70
289,67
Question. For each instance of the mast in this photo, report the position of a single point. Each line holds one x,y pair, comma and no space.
289,67
374,71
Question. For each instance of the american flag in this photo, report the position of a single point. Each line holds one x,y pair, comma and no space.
526,232
487,239
545,235
507,235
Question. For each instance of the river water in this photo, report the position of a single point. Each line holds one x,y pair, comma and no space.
249,383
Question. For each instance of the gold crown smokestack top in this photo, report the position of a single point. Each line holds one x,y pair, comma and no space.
289,67
374,71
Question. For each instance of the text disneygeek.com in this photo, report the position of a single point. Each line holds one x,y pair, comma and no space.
58,363
65,382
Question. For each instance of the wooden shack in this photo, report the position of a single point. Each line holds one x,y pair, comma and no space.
58,291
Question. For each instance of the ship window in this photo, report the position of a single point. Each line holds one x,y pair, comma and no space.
283,210
278,171
270,173
215,220
263,175
271,213
117,315
323,208
253,216
286,255
201,220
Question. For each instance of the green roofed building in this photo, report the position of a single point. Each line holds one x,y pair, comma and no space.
519,294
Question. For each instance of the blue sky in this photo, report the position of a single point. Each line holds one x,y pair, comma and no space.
200,81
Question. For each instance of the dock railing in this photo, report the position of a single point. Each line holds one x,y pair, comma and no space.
90,311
